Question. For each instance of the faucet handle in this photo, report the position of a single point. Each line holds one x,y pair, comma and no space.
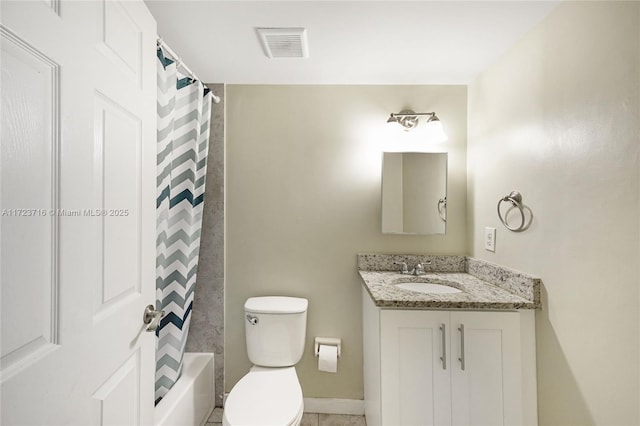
418,269
404,269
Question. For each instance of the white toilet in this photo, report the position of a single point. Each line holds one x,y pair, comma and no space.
270,393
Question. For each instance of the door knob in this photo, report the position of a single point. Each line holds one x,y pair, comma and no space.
152,318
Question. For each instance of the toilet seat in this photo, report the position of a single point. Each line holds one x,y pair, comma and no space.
265,396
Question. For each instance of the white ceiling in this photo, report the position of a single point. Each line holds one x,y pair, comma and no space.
350,42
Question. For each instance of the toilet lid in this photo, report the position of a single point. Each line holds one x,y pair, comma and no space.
265,396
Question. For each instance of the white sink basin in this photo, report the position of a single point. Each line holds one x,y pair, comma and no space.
428,288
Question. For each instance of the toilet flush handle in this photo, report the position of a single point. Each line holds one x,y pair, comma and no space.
252,320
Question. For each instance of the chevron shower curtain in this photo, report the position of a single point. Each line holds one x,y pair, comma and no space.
184,107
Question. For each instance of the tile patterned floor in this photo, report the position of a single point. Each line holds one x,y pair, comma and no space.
312,419
308,419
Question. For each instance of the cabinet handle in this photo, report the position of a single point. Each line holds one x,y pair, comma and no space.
444,347
461,359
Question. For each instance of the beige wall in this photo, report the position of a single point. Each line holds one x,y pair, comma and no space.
557,119
303,166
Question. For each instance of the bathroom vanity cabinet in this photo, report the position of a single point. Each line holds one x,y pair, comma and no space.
448,367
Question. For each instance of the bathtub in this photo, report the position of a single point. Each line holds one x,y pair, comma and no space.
191,400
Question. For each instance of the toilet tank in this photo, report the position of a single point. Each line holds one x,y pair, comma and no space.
275,328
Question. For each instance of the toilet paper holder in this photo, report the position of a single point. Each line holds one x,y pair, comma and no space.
329,341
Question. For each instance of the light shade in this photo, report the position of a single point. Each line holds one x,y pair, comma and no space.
435,132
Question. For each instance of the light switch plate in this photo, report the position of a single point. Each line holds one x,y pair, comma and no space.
490,239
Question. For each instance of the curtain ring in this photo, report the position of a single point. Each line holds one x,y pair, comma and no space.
515,198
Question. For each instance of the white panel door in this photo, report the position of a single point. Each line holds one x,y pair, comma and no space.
486,375
415,366
77,184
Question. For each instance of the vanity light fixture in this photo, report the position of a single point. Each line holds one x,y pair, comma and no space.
409,119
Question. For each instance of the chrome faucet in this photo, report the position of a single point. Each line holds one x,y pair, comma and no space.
418,270
403,270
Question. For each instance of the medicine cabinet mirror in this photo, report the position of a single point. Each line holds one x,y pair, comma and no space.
414,193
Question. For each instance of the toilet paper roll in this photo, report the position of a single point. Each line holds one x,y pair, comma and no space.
328,358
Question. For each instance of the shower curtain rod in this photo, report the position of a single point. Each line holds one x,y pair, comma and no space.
161,43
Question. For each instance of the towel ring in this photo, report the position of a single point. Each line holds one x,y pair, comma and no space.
442,208
515,198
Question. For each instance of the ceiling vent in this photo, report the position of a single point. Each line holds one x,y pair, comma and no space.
284,42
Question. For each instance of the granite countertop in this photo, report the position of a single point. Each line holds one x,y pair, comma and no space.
496,288
476,294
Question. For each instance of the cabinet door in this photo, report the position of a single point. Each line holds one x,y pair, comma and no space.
415,366
486,371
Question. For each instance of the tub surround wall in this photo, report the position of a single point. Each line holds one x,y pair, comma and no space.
206,332
303,198
557,118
